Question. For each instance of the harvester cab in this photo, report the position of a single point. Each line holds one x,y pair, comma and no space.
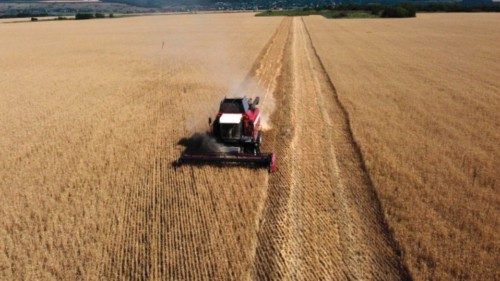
237,128
237,125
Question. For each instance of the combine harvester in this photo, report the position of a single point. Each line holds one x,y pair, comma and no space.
237,129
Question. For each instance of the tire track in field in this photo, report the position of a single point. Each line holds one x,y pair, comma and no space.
386,251
322,218
263,79
268,259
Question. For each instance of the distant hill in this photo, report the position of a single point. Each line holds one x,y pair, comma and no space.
226,4
258,4
213,4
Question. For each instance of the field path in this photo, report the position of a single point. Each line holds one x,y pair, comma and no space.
322,218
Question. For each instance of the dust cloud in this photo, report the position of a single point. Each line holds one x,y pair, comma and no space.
226,75
251,88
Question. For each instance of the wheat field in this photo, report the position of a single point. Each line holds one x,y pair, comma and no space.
423,96
87,110
387,149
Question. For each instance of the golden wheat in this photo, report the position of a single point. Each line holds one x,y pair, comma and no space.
90,114
422,95
385,144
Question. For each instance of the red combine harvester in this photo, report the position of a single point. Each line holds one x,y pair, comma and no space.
236,129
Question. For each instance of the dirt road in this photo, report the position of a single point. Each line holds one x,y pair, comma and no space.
316,218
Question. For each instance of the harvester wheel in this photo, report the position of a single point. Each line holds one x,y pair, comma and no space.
257,144
256,150
259,139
